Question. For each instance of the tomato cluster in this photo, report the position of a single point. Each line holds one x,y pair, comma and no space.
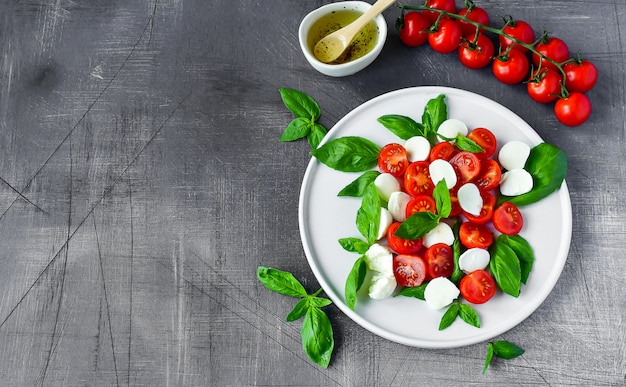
514,54
416,263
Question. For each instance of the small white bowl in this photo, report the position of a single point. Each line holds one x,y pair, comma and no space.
351,67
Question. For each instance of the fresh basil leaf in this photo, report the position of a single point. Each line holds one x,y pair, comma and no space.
357,187
434,114
415,291
317,302
354,245
506,350
457,274
505,268
547,164
299,310
467,144
469,315
355,281
316,135
348,154
300,104
280,282
416,225
317,336
449,316
298,128
524,253
368,215
488,356
402,126
442,199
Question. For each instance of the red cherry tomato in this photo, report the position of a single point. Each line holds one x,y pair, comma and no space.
445,5
399,245
439,260
486,140
489,176
414,30
454,201
409,270
573,110
519,30
478,54
475,235
580,76
553,48
486,213
393,159
466,164
421,203
443,150
544,86
476,14
508,219
417,179
511,68
478,287
447,37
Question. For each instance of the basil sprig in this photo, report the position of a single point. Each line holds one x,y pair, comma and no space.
418,224
511,261
307,112
435,112
316,331
502,349
457,309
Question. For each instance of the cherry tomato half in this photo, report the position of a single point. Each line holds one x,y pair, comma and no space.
486,213
519,30
489,176
511,68
580,76
544,86
573,110
421,203
475,235
508,219
393,159
443,150
553,48
466,164
417,179
399,245
414,30
476,14
476,54
486,140
447,37
409,270
439,260
478,287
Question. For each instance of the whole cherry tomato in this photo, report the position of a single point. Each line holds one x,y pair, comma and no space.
544,85
581,75
478,54
444,5
511,68
476,14
447,37
573,110
414,30
519,30
553,48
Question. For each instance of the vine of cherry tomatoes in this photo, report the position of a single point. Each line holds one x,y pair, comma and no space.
515,54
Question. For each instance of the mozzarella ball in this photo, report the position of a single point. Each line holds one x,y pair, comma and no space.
442,233
474,259
442,170
397,205
417,148
440,292
513,155
385,221
450,129
516,182
379,258
470,199
386,184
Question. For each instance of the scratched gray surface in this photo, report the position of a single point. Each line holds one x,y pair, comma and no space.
142,183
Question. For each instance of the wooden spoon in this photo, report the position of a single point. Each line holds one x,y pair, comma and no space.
332,46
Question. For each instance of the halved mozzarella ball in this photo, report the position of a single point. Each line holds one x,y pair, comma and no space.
379,258
442,233
382,286
451,128
440,292
470,199
417,148
513,155
397,205
516,182
474,259
386,184
385,221
442,170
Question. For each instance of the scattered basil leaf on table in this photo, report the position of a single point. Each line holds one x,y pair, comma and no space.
502,349
307,112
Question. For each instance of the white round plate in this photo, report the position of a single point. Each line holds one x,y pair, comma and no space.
324,218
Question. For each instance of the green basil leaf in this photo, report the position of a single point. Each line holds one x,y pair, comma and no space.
298,128
317,336
442,199
467,144
416,225
354,245
316,135
280,282
488,356
434,114
300,104
348,154
299,310
506,350
448,318
524,252
317,302
505,268
402,126
357,187
368,215
457,274
547,164
355,281
415,292
469,315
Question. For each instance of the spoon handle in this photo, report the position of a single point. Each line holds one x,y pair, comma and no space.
370,14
